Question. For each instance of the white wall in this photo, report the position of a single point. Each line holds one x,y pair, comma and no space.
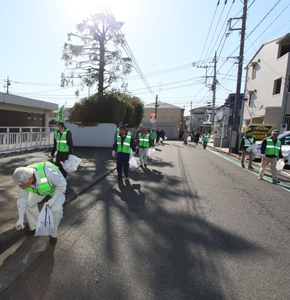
101,135
268,69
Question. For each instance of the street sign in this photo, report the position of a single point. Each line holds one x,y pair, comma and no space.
152,120
260,131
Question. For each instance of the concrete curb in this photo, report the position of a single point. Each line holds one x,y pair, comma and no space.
10,232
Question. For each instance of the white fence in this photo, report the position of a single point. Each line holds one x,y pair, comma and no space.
19,138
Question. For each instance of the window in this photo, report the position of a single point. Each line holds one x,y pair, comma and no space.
284,49
35,116
253,71
231,111
277,86
40,117
29,116
251,94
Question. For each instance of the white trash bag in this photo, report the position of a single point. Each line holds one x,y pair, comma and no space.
45,224
280,165
71,165
189,138
133,163
252,148
165,137
150,152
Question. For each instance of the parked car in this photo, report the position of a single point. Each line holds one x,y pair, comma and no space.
285,148
285,141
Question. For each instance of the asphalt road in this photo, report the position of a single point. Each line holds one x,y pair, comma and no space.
191,226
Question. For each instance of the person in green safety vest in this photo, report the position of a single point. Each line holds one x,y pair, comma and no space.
246,142
205,139
123,144
53,150
270,151
64,146
117,132
35,182
144,141
153,135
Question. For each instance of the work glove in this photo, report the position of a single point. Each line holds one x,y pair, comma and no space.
263,155
114,153
49,202
20,225
51,156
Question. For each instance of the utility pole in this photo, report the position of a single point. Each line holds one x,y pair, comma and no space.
214,92
236,127
8,84
156,110
191,116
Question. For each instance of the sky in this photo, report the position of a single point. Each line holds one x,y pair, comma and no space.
172,41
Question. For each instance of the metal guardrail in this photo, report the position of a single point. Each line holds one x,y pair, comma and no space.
21,138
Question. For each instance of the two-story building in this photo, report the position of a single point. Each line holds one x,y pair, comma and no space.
267,85
201,118
169,118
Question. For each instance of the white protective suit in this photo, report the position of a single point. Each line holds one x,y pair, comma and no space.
27,201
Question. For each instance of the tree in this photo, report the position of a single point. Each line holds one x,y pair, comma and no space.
108,108
98,58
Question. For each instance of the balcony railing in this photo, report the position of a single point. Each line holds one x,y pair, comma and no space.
20,138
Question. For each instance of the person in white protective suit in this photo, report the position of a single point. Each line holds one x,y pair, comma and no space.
35,182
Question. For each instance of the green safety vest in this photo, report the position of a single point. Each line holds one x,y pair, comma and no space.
126,144
153,135
61,142
248,141
44,188
144,141
118,130
272,149
206,136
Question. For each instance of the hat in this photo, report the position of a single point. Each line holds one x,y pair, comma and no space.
248,131
275,132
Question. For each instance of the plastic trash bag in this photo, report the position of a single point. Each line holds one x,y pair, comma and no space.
133,163
150,152
280,165
71,165
165,137
189,138
45,224
253,148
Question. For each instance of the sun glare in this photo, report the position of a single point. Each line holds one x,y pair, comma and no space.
83,9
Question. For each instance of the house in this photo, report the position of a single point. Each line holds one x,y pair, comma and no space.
267,85
201,118
16,111
169,118
224,115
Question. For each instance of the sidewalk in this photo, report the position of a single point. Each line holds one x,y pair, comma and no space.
96,164
255,164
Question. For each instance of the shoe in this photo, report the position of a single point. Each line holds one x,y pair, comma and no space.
127,176
30,232
250,168
119,178
260,177
242,166
52,240
50,156
275,181
145,165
